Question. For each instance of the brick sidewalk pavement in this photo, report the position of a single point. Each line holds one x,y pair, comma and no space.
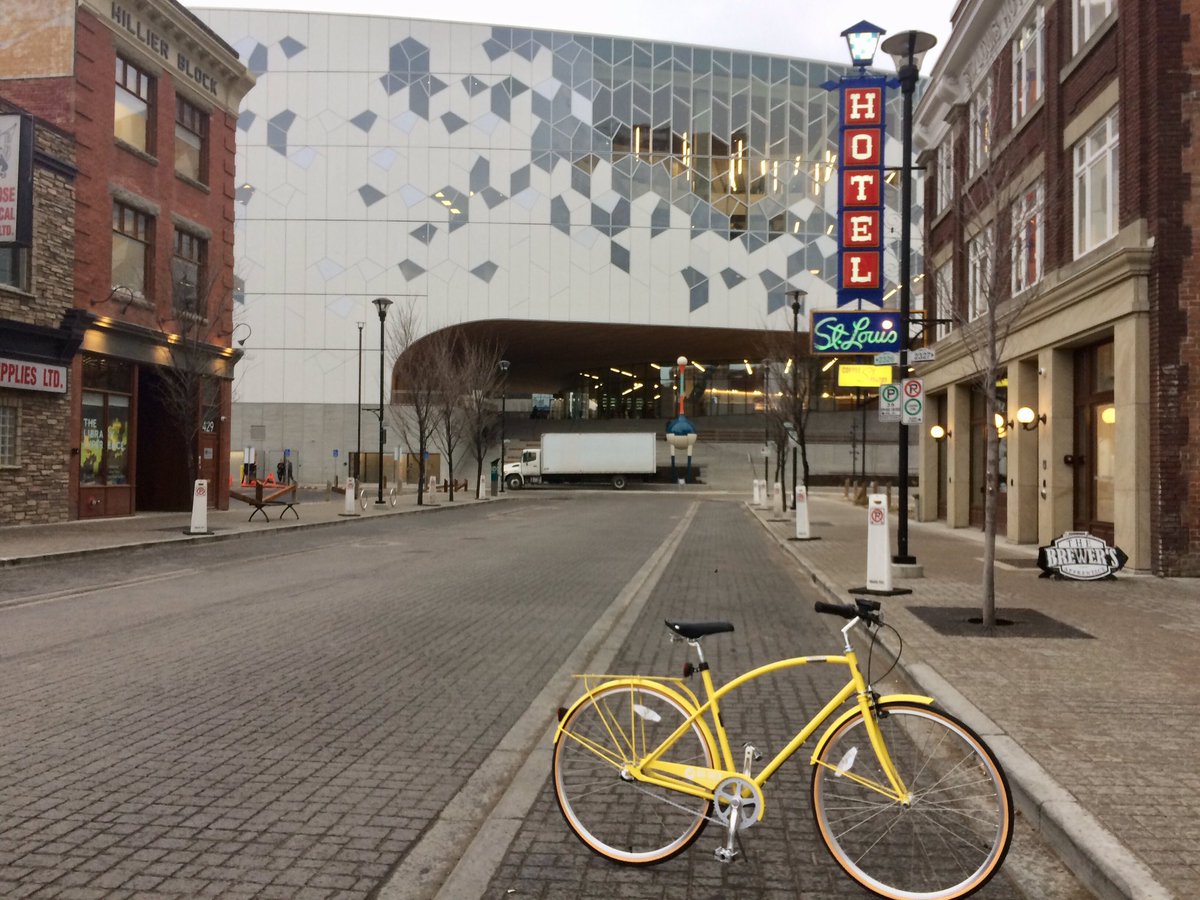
1112,775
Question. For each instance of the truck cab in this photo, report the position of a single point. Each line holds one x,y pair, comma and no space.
527,471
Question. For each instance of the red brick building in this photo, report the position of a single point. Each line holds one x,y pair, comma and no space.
1059,155
149,97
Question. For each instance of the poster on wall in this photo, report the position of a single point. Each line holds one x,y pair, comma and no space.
16,180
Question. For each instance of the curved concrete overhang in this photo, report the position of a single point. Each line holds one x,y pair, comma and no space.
547,357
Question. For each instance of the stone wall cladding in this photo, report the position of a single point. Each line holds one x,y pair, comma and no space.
36,490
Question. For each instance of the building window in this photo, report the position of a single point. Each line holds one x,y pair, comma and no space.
187,273
1088,16
1096,185
14,268
133,111
1027,65
191,141
10,412
1028,228
104,436
130,249
981,128
943,284
945,174
979,285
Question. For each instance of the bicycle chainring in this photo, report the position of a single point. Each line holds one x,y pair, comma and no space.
739,792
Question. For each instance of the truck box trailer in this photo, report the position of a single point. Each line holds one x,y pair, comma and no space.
573,457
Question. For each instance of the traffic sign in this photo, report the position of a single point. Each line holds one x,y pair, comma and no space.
912,407
889,403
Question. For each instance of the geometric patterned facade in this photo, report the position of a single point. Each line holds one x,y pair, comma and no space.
503,173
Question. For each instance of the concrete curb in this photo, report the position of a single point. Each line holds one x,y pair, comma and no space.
239,531
1093,853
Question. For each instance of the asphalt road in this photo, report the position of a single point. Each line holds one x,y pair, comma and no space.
291,715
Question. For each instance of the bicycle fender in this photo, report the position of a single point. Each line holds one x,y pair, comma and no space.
679,698
850,713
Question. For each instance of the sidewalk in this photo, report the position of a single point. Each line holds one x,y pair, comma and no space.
21,544
1092,709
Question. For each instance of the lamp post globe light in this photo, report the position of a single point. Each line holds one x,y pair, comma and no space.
504,364
862,40
907,49
381,304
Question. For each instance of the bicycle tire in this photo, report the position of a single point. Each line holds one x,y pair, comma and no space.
624,820
954,835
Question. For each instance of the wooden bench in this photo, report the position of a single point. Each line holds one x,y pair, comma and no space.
260,500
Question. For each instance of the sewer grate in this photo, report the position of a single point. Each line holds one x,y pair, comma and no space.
964,621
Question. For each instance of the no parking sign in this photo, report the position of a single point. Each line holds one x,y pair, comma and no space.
912,403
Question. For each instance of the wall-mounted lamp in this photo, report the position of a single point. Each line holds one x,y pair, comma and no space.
937,432
1028,419
241,341
122,294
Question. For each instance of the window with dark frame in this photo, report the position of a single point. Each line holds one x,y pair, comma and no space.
14,269
9,417
191,141
130,249
133,109
188,258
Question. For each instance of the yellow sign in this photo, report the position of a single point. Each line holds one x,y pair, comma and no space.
864,376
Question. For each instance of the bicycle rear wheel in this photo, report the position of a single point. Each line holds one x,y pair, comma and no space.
949,841
625,820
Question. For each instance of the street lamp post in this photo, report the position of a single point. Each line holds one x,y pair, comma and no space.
907,50
381,304
358,455
797,296
766,367
504,364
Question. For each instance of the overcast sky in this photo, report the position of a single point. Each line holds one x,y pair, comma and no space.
788,27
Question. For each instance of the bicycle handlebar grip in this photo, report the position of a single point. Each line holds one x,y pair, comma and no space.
836,609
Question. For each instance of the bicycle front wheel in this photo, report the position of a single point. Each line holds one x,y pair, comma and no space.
949,840
626,820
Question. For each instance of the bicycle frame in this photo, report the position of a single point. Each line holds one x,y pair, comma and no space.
700,781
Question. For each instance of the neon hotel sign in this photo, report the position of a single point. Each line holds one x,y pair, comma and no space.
860,192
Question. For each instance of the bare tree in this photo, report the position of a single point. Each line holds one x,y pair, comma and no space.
999,215
450,426
479,379
793,384
189,386
417,385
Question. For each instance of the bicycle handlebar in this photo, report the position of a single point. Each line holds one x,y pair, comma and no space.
867,610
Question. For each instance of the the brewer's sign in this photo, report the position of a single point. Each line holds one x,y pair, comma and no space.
1080,555
842,332
16,180
860,191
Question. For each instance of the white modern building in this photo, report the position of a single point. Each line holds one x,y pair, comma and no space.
592,203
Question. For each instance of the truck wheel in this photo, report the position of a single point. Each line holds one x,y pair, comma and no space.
513,482
618,482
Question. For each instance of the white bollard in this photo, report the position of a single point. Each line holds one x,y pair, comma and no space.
432,486
483,487
199,508
777,499
879,551
350,507
802,530
757,500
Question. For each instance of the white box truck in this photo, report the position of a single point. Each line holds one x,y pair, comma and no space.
563,458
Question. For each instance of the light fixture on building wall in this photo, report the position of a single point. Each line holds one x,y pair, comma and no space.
241,341
937,432
1028,419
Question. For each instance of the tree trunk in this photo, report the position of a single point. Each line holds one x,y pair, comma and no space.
990,494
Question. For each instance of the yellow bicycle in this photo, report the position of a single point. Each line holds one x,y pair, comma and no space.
908,799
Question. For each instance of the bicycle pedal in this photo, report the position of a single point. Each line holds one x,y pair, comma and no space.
724,854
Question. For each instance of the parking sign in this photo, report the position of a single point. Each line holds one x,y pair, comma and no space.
889,403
